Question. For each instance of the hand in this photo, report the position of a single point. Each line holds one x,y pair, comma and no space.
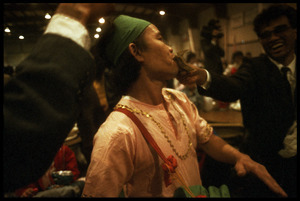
29,192
86,13
197,75
246,165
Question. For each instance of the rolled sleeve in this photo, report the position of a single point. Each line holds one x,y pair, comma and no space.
69,28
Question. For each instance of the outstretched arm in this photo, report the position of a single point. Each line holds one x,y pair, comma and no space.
221,151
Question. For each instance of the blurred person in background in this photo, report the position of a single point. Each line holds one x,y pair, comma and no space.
47,185
236,62
210,44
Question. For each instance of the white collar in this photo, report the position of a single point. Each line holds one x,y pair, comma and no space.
292,65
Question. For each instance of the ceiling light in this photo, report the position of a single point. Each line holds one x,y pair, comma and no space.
98,29
101,20
7,30
96,36
47,16
162,12
21,37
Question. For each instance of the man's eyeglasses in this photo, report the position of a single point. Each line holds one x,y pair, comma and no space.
277,30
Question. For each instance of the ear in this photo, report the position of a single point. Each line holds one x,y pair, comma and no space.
135,52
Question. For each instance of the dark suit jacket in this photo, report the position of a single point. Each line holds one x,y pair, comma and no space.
41,104
268,111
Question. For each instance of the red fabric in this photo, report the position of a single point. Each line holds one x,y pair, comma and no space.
169,167
170,162
233,70
65,159
201,196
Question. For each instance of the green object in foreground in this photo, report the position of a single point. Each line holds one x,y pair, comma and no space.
212,192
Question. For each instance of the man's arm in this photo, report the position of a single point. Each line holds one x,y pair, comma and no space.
224,88
41,102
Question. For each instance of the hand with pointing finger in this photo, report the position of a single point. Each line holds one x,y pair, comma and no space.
246,165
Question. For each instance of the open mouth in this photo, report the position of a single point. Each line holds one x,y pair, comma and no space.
276,46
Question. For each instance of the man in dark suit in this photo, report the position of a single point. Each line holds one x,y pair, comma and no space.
268,106
43,100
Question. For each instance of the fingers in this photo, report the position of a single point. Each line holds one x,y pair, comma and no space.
187,77
261,172
243,167
28,193
264,175
274,186
240,170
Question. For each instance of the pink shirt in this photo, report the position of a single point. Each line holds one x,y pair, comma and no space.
121,156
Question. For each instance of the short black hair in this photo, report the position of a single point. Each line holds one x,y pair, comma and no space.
237,54
274,12
206,31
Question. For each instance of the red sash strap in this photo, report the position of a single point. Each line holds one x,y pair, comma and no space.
170,163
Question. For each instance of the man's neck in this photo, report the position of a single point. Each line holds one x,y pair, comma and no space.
285,61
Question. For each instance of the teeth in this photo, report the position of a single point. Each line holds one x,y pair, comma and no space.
277,45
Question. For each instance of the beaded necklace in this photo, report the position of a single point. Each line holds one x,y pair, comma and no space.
140,112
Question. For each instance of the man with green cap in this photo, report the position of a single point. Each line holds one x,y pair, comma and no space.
139,65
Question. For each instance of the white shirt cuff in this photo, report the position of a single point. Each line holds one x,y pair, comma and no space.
69,28
208,80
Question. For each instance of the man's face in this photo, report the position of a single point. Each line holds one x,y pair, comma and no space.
278,39
158,56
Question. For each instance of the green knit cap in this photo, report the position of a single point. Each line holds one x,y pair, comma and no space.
127,29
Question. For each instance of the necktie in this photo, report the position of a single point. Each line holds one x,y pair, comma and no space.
286,83
284,71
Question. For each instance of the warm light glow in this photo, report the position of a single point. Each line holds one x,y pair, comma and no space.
162,12
101,20
48,16
7,30
21,37
96,36
98,29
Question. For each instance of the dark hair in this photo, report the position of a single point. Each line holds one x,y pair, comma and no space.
214,24
119,77
274,12
206,31
236,54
